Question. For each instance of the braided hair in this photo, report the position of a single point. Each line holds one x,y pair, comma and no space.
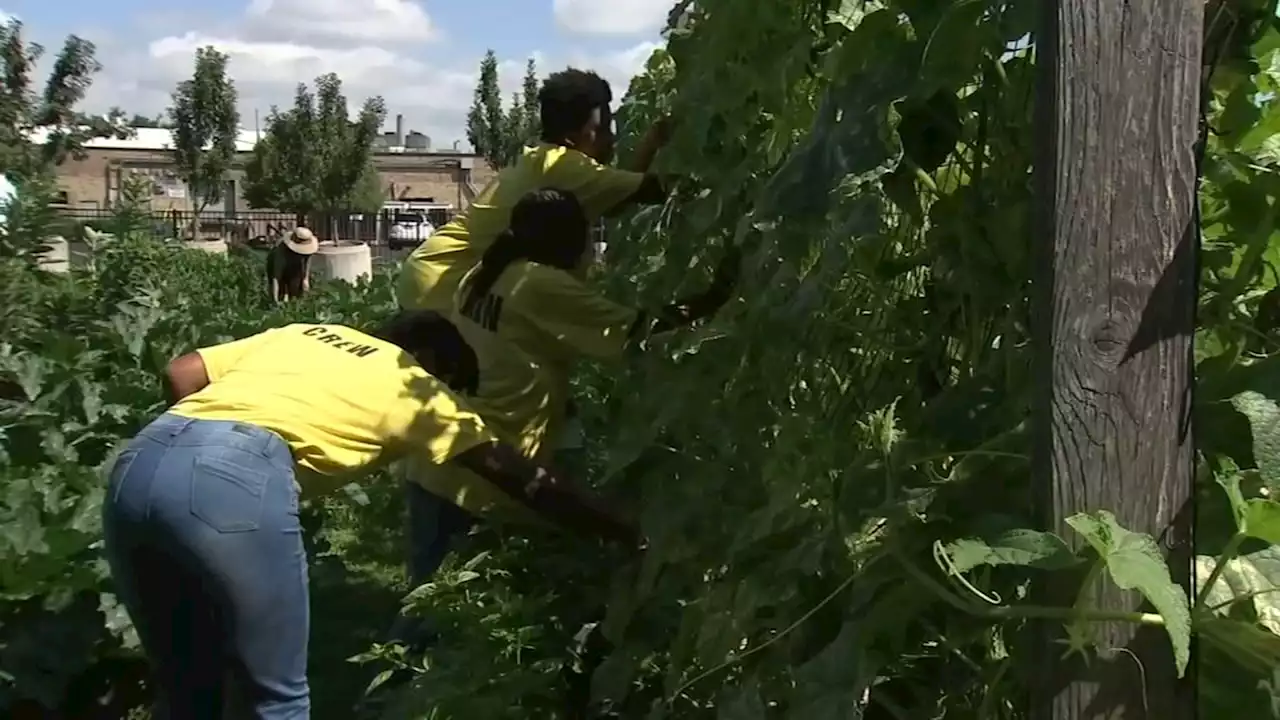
548,227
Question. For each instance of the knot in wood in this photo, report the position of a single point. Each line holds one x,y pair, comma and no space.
1107,341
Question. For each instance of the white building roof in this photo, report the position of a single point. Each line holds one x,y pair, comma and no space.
162,139
147,139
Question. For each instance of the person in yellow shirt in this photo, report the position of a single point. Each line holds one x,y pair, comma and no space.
529,318
576,145
201,527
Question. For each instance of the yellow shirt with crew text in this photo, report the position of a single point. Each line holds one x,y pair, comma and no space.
551,315
526,333
342,400
431,274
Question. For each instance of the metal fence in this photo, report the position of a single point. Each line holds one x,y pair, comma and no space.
257,228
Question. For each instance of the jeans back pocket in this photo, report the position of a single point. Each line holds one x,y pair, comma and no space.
228,495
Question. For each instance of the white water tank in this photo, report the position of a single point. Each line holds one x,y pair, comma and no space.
55,256
346,261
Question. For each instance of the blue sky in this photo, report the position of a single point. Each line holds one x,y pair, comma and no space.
421,56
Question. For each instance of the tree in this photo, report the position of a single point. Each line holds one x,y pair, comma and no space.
205,126
523,125
39,130
486,122
280,172
314,158
495,133
369,195
532,123
142,121
512,131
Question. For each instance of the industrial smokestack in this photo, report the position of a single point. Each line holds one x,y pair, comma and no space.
399,130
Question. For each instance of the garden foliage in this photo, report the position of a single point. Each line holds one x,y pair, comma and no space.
833,474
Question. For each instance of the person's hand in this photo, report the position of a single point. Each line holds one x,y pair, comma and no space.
695,307
661,130
658,135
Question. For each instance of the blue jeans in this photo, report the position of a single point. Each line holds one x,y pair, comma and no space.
433,524
434,521
204,543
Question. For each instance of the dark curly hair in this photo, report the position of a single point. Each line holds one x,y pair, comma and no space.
428,334
566,100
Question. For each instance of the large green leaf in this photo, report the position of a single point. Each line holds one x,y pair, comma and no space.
1262,520
832,685
1014,547
1134,562
1239,671
1250,581
1264,421
743,704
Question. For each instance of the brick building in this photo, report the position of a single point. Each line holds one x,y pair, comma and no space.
408,168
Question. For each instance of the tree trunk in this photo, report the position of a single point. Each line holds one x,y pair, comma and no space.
1118,109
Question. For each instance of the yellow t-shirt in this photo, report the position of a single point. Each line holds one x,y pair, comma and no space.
342,400
526,333
430,275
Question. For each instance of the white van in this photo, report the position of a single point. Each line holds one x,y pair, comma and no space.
408,228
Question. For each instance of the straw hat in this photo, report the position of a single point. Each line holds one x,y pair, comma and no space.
302,241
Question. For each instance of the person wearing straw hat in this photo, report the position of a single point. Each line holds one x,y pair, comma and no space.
289,264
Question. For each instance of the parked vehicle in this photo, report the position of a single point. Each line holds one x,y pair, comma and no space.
409,229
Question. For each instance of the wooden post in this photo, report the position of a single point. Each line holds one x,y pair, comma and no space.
1117,115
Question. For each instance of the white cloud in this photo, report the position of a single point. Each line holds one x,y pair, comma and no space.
612,17
358,20
433,96
279,62
617,67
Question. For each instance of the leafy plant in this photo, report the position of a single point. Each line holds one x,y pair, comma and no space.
79,375
834,477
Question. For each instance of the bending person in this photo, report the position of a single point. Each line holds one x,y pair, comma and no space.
201,524
576,145
529,319
289,265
